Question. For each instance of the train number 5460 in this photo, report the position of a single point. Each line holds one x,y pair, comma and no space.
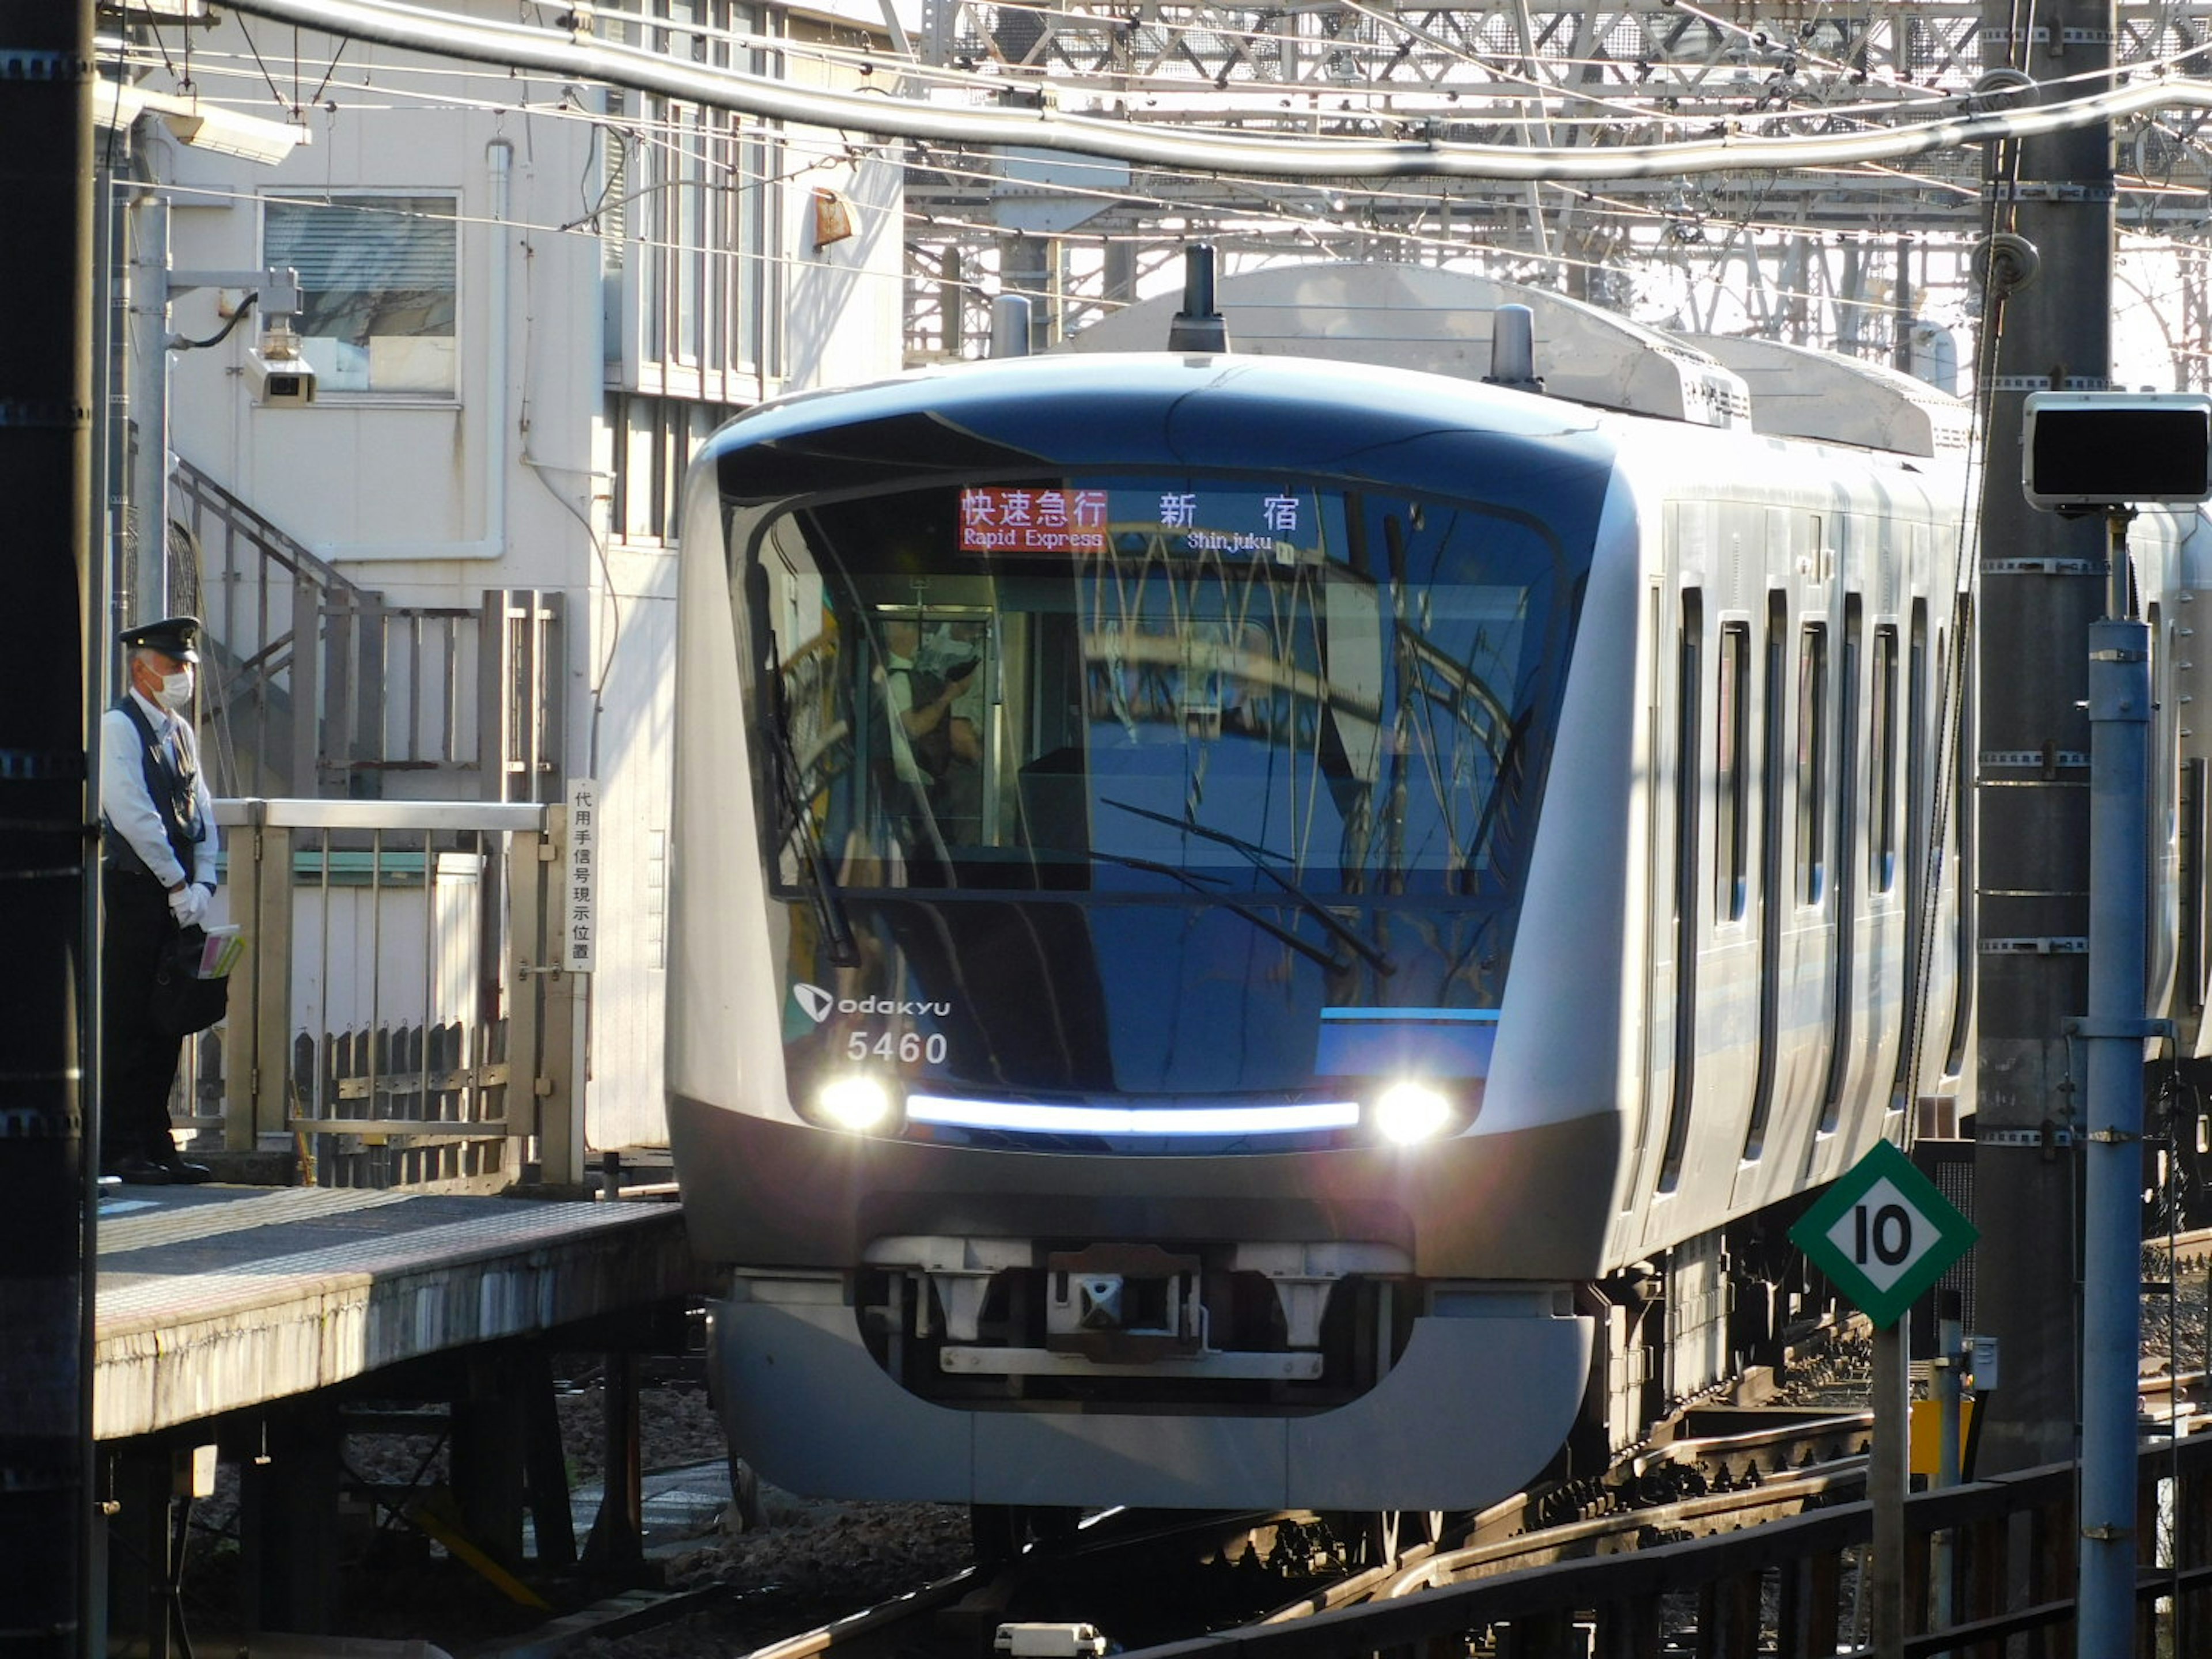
908,1048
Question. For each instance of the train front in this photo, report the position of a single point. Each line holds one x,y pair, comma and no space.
1108,796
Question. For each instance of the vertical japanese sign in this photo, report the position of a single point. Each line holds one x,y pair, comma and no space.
578,945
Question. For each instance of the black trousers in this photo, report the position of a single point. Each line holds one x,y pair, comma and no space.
137,1063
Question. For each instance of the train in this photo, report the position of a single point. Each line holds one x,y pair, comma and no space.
1268,928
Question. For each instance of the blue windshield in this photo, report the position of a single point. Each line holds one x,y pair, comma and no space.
1149,683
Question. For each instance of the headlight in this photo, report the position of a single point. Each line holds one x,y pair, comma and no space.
855,1100
1407,1112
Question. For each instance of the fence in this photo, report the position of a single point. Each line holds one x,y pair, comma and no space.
398,1017
1789,1589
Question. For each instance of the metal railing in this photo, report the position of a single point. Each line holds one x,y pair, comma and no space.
397,1016
318,685
1792,1588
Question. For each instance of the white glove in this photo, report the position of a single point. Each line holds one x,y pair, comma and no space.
189,905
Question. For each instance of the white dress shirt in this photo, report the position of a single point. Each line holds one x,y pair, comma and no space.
125,803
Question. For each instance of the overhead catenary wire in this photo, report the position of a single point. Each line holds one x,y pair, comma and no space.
1380,194
519,47
1748,235
1260,216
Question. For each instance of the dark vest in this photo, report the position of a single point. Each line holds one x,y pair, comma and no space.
174,791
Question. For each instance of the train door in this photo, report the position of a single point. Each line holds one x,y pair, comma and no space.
1794,998
1774,901
1798,969
1716,1037
2165,920
1917,878
1884,942
1822,1158
1957,760
1678,894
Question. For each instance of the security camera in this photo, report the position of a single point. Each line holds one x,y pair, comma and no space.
280,376
281,382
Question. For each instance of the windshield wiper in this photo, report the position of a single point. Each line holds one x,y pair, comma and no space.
1204,889
1305,901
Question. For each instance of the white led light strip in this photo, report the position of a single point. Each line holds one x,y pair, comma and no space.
1289,1118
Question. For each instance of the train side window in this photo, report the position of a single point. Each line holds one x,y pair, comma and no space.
1881,777
1689,729
1731,776
1811,763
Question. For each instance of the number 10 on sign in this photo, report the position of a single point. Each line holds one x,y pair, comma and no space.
1883,1234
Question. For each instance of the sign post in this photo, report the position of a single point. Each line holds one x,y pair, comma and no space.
2108,453
1883,1234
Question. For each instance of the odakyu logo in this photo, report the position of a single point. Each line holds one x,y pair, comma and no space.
820,1004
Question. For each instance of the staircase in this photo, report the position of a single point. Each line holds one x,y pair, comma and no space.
317,687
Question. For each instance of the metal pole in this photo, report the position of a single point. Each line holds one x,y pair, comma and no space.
46,479
1950,1340
1885,1472
2041,586
149,328
2113,1035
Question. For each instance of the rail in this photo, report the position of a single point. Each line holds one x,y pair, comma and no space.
396,1017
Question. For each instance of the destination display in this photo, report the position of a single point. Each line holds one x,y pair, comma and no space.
1238,521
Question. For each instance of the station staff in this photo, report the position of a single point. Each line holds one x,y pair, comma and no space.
158,845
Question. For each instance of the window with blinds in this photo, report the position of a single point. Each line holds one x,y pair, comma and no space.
377,278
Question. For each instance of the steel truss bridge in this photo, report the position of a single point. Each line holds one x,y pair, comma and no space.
1848,257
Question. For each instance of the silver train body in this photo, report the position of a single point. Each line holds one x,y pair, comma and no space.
1331,732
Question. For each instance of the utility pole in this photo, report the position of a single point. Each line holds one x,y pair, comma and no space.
46,71
2042,585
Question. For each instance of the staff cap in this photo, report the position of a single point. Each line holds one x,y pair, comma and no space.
172,636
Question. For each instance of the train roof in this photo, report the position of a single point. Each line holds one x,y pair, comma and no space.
1439,322
1241,412
1798,393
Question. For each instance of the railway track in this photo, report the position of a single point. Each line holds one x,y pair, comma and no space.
1145,1578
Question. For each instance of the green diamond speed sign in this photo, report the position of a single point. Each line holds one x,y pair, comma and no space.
1883,1234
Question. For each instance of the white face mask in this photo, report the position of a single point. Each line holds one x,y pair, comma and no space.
177,690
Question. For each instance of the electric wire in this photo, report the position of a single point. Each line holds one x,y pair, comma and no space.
1217,149
1744,225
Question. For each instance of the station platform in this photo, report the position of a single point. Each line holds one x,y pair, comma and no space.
214,1299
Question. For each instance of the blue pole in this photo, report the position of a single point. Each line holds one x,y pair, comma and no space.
2113,1033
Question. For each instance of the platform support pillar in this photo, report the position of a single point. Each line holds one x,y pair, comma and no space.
544,1467
488,1445
288,1520
618,1538
139,1486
